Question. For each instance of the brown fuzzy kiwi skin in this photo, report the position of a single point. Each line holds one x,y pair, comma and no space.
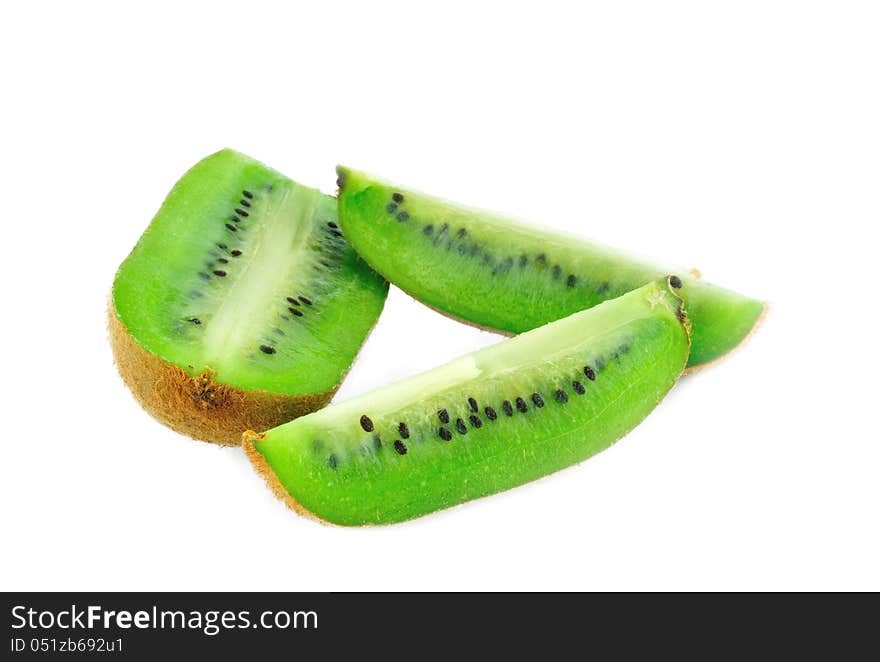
198,406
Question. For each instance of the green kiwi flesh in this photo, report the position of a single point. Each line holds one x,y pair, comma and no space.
243,284
485,422
500,274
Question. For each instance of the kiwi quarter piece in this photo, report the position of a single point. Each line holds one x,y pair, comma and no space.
488,421
497,273
242,305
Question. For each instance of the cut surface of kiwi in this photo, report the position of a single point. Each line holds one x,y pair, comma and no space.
488,421
242,305
500,274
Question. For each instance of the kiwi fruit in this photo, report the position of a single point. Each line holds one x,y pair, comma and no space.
488,421
499,274
242,306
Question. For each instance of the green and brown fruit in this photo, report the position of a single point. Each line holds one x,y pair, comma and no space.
487,421
491,271
242,306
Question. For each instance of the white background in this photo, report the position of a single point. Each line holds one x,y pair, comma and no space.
739,137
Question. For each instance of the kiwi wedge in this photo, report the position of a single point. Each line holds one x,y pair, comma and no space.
496,273
488,421
242,306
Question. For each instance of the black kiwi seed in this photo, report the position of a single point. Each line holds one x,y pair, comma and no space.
222,247
235,253
404,431
244,203
241,212
429,230
295,311
366,423
571,280
222,260
443,415
332,461
403,216
336,233
541,261
521,405
397,197
219,272
537,399
308,302
440,233
235,219
460,426
461,234
195,320
231,227
204,276
590,373
503,266
578,388
675,281
266,349
475,421
445,434
332,224
400,447
523,260
557,271
561,397
490,414
473,405
295,302
507,407
248,194
391,208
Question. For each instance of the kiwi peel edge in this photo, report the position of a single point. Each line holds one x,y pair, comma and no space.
693,369
198,406
261,466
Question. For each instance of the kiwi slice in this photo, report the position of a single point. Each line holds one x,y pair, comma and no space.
499,274
242,305
485,422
